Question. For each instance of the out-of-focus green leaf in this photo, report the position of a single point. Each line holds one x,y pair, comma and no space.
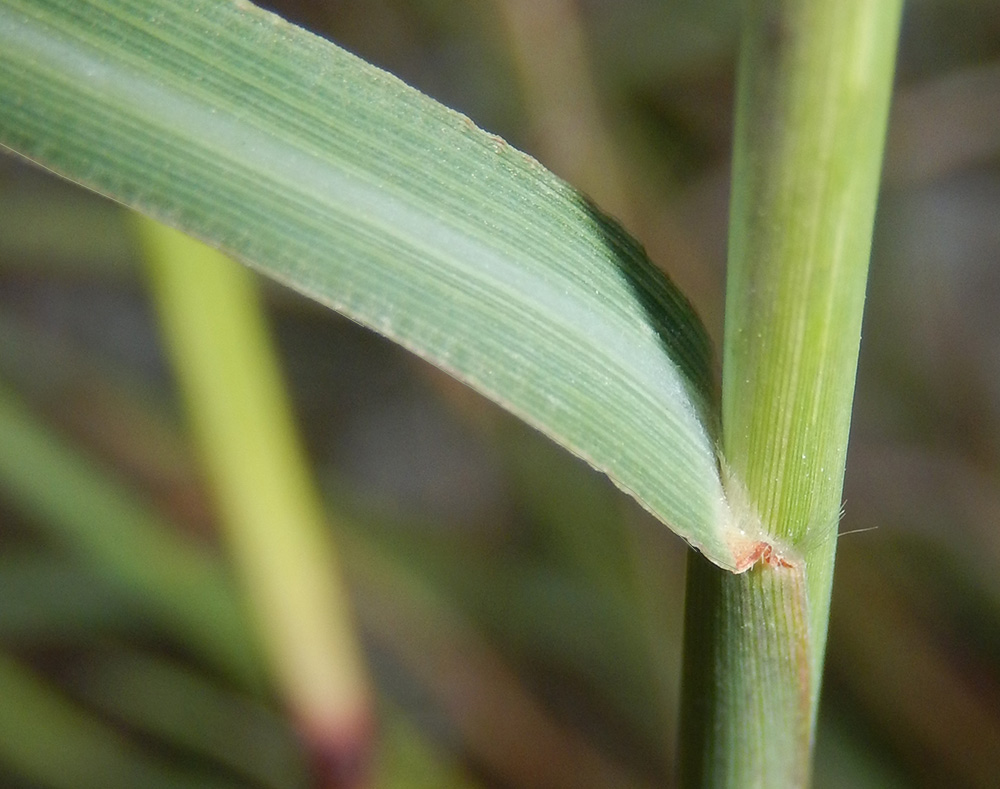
406,758
337,179
46,738
191,713
82,509
48,600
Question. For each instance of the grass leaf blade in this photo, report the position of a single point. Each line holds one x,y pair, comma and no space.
356,190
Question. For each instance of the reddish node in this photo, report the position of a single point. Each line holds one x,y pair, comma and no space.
762,552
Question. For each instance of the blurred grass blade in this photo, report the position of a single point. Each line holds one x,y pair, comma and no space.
48,600
337,179
47,739
459,673
408,758
187,711
102,521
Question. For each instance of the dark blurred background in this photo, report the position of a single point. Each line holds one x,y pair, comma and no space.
521,617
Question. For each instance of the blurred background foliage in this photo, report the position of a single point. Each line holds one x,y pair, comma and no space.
521,618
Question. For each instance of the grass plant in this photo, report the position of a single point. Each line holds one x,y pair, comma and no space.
336,179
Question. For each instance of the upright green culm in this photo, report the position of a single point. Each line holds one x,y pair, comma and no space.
812,101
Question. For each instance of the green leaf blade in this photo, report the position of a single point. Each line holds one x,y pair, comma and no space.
356,190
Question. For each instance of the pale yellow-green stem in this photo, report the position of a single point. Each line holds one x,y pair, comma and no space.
274,522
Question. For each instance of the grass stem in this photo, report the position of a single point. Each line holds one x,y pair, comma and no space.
274,523
812,101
